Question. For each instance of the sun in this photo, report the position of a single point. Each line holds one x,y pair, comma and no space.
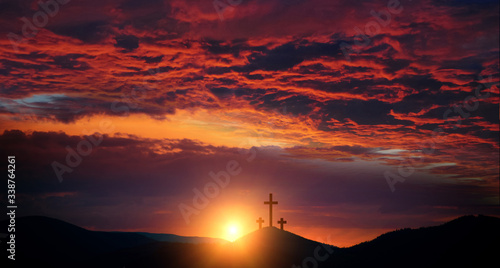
233,232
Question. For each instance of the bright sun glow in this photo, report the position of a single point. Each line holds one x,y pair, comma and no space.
233,232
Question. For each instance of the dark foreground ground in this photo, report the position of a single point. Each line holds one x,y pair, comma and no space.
469,241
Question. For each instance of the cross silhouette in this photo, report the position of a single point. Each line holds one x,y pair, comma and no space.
260,221
270,203
281,222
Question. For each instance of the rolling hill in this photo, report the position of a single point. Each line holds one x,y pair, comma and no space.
469,241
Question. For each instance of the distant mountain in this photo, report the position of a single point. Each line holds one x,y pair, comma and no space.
182,239
469,241
46,240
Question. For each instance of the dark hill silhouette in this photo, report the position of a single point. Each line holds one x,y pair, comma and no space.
45,240
269,242
38,238
181,239
469,241
268,247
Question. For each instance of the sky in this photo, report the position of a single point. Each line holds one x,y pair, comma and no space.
181,117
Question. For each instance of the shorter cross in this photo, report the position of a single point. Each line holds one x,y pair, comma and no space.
260,221
281,222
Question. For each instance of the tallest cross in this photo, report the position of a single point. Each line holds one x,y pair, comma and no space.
270,203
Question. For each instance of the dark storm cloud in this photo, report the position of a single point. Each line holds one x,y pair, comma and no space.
254,96
127,42
371,112
68,109
12,11
393,65
35,55
420,82
487,111
465,128
222,92
355,149
425,99
294,104
254,76
153,15
482,4
9,65
226,81
233,47
360,86
38,150
111,173
318,68
357,69
357,86
149,72
280,58
134,5
88,32
288,55
71,62
380,48
171,96
251,93
218,70
269,99
156,59
474,64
